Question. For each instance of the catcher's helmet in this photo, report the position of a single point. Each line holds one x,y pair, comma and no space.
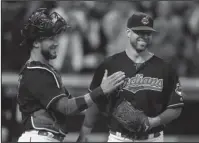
43,24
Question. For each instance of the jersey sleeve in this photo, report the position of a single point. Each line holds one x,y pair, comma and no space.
96,81
174,90
97,77
44,86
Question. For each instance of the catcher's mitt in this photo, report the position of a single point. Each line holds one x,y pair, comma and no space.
132,119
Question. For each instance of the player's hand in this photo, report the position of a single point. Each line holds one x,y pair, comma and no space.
154,122
110,83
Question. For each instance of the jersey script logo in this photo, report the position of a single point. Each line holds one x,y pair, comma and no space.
139,82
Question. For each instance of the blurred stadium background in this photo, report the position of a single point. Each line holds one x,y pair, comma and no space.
98,31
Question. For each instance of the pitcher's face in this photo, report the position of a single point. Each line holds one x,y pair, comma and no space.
139,39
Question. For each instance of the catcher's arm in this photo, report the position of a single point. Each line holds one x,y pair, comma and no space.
78,104
164,118
90,119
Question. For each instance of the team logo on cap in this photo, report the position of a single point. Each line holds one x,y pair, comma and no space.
145,20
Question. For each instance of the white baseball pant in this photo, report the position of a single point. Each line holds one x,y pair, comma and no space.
118,138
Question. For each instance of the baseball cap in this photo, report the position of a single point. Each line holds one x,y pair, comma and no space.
140,21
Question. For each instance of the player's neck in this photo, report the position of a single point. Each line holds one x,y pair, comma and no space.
138,57
36,55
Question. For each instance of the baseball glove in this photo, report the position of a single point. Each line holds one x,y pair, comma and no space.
132,119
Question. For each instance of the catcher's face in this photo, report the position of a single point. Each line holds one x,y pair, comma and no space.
139,39
49,47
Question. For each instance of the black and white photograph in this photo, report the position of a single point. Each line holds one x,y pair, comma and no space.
99,71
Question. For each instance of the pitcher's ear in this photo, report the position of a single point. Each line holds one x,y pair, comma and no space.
128,31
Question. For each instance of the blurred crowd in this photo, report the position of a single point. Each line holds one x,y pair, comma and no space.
98,31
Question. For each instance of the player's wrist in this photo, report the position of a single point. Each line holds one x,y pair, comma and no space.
88,99
96,93
154,122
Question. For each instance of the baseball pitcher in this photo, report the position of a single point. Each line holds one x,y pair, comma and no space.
150,97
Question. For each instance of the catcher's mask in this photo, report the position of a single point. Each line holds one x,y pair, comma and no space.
43,24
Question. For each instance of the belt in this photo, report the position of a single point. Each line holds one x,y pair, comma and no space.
58,137
133,136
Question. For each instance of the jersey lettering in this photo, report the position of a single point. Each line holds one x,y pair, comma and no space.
139,82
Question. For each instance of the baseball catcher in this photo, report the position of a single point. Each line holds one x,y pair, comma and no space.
43,100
